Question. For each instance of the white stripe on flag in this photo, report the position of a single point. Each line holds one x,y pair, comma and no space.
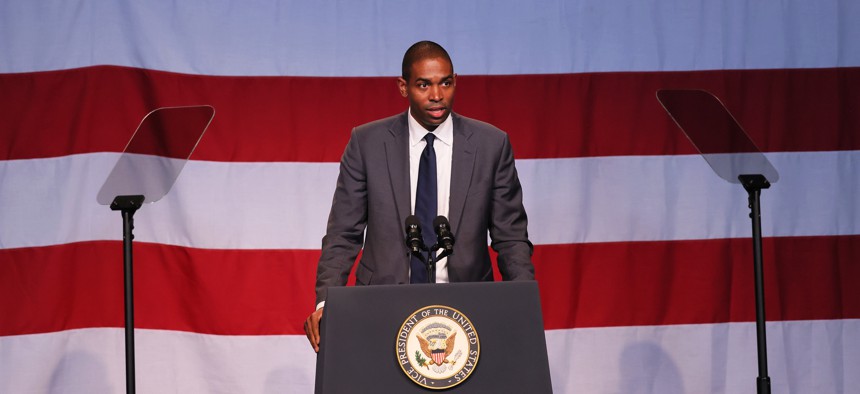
806,356
217,205
814,356
92,360
509,36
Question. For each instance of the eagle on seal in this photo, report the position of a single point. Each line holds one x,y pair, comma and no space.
437,349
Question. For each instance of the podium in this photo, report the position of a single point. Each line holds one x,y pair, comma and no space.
369,339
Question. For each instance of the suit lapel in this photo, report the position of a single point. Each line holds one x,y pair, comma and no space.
462,165
397,156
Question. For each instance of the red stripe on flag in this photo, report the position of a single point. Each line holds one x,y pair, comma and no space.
257,292
95,109
702,281
212,291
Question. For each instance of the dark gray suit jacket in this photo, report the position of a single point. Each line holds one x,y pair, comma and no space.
373,194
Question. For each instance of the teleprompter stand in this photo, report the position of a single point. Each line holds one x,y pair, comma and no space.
146,171
733,156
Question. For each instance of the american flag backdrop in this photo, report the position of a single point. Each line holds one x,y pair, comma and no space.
643,255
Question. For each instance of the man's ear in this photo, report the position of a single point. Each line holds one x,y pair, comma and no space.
401,85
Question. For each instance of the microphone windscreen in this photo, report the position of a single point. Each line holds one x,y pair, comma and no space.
440,220
412,220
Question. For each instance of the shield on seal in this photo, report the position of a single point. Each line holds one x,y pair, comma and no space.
438,356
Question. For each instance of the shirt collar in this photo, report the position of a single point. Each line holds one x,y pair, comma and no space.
444,132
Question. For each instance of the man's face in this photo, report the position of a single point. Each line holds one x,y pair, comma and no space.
430,90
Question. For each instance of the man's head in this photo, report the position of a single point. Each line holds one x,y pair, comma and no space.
428,81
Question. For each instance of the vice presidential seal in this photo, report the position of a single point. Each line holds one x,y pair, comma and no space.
437,347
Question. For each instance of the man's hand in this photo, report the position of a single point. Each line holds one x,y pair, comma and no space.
312,329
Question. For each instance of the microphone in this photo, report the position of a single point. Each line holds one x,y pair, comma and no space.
444,238
414,240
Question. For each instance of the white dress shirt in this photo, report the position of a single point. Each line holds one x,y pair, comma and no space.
443,145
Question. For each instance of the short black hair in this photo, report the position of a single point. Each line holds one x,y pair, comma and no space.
423,50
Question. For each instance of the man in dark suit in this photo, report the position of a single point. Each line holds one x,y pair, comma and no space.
478,190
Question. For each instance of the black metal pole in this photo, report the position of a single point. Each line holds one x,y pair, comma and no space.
433,258
431,266
128,205
128,274
753,184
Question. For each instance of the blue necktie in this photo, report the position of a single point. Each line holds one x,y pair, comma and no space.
425,206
